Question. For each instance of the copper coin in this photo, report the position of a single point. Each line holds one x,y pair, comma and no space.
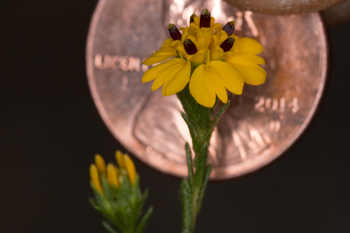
259,126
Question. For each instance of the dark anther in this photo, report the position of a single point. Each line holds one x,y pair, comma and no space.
204,19
229,28
190,47
192,18
227,44
174,32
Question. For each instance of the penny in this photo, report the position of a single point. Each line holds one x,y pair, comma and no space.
283,7
259,125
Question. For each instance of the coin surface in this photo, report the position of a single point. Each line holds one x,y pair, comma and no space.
259,125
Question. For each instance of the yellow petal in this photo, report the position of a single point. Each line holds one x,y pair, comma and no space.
199,56
244,59
217,27
216,83
199,88
203,38
247,45
252,74
179,81
120,158
196,20
221,37
212,21
160,55
130,168
95,180
112,175
165,49
152,73
193,29
100,163
231,78
168,73
156,59
216,52
167,43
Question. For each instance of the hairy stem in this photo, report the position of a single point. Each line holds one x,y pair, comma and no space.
201,126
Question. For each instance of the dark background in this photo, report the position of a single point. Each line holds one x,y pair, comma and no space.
51,129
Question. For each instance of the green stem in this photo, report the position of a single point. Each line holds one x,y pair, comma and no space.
201,126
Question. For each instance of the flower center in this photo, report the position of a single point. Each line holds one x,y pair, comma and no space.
203,37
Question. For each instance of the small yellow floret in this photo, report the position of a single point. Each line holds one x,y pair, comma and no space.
112,175
100,164
120,158
130,168
209,58
95,180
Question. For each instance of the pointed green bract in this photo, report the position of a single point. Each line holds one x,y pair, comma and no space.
119,199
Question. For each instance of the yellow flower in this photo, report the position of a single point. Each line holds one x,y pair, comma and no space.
100,163
117,195
207,56
119,157
130,168
114,175
95,180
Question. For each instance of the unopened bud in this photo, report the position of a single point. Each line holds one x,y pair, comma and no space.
229,28
227,44
190,47
100,163
205,19
174,32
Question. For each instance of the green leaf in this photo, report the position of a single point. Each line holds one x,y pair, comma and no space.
144,221
200,165
197,114
204,186
108,192
189,163
99,197
108,227
94,205
219,114
186,197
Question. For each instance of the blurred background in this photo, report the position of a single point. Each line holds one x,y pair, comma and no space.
50,130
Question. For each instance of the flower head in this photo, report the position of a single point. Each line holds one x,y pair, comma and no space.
208,56
113,174
117,195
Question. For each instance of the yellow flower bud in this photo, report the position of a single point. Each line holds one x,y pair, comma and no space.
100,163
120,158
130,168
95,180
112,175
